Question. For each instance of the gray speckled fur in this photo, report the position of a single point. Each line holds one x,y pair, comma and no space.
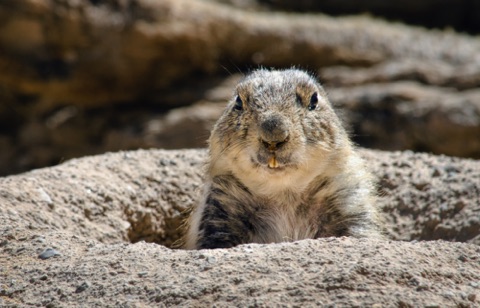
317,186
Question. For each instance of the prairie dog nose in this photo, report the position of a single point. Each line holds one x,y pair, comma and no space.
273,132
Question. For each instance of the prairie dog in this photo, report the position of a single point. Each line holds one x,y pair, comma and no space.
281,168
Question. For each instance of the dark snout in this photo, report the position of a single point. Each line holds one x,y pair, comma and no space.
273,132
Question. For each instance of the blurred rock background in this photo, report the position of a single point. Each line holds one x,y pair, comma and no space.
82,77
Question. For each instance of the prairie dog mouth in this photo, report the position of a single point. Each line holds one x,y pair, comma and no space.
272,162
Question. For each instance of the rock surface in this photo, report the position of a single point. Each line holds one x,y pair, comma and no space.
407,115
328,272
463,15
92,54
95,76
67,231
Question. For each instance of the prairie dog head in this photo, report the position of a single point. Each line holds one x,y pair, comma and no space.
278,130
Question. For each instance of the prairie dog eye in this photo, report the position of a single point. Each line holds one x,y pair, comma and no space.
238,103
313,102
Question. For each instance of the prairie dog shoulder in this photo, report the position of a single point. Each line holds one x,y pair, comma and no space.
281,168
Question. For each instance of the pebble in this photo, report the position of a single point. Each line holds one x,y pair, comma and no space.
85,285
463,258
39,239
48,253
472,297
44,196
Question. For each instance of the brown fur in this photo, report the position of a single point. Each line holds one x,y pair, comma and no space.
281,168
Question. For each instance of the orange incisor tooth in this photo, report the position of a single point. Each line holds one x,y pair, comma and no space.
272,162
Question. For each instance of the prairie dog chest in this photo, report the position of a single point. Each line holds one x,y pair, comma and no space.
283,224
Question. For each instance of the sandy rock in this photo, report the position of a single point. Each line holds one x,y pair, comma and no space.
427,197
186,127
127,196
94,76
326,272
66,233
140,195
409,115
92,54
435,73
